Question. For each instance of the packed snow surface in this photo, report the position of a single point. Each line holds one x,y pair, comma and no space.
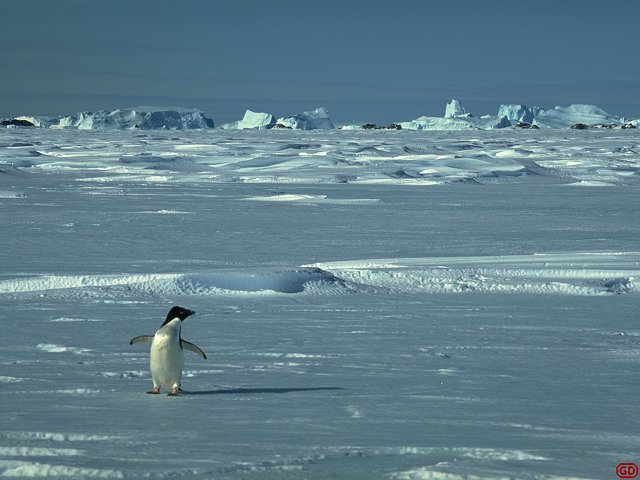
373,304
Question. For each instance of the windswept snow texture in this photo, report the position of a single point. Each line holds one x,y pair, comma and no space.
111,159
373,304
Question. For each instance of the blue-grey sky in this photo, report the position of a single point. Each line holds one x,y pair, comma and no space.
365,60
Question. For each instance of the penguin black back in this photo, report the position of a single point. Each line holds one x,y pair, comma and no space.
177,312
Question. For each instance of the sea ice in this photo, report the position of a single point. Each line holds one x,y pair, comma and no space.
387,305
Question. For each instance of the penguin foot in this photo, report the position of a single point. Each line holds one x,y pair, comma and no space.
155,391
173,392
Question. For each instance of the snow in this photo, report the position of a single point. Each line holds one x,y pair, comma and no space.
387,304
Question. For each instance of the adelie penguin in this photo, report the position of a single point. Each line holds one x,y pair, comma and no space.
167,351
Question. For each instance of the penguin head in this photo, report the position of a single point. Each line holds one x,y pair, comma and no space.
178,312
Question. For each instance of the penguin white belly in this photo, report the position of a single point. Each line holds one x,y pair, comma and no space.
166,360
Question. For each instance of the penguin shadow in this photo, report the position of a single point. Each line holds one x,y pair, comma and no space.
249,391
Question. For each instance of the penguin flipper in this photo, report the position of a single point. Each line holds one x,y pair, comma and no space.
192,347
141,339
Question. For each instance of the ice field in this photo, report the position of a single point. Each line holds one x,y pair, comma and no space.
400,305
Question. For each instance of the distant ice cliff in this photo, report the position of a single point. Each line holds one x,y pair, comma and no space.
456,117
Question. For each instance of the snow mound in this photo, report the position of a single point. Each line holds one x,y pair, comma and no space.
8,194
174,119
527,274
311,120
609,273
313,199
212,283
53,348
173,163
294,281
58,437
11,169
41,470
261,121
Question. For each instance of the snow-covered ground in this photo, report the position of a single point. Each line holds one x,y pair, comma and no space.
373,304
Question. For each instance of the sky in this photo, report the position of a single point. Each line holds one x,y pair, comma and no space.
364,60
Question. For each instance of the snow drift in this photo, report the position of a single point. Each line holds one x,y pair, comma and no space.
551,274
321,157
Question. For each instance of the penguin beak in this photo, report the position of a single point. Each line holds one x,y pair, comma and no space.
189,312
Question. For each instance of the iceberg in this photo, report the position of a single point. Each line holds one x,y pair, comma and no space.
312,120
560,117
147,119
252,120
15,122
515,115
457,123
456,118
565,117
37,121
518,113
454,109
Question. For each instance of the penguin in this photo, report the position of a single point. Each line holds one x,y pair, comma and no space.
167,351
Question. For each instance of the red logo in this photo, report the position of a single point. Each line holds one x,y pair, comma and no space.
627,470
